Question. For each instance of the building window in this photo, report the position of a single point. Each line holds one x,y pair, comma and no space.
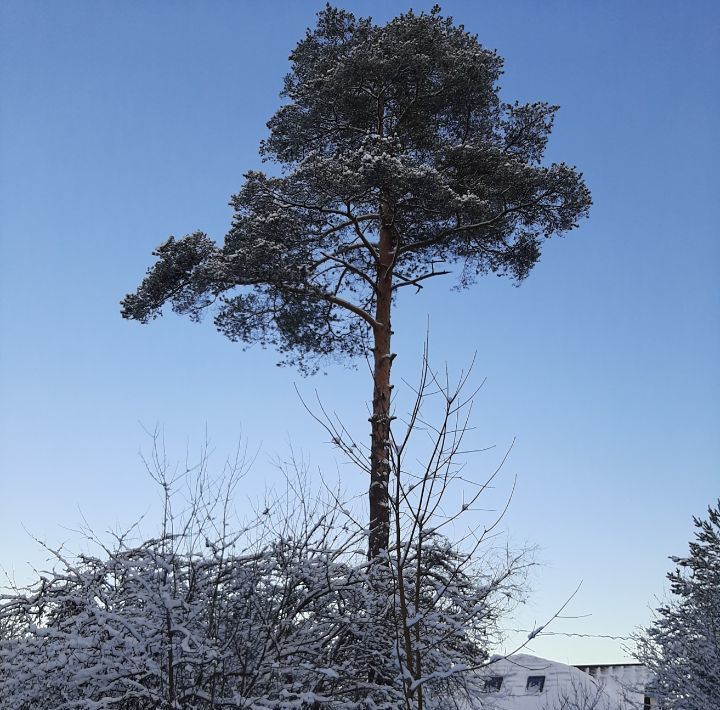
648,703
493,683
536,683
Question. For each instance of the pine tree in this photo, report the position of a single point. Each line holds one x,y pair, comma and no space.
682,646
398,163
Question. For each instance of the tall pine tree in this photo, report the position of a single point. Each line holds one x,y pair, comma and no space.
399,163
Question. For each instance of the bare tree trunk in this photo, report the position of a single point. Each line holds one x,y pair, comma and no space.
382,390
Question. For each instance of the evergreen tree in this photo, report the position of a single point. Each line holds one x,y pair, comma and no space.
399,163
682,646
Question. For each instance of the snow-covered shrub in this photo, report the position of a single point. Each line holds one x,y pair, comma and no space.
148,626
284,612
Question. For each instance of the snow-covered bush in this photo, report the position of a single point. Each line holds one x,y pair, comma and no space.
682,646
295,621
282,612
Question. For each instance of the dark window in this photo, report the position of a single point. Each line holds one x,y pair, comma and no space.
647,704
493,683
535,682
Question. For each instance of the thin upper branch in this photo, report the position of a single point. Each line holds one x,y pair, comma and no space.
416,281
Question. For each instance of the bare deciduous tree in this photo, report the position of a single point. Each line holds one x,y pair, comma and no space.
449,587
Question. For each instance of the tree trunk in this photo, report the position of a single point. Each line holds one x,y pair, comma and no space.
382,389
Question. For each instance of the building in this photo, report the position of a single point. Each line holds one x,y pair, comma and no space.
525,682
634,678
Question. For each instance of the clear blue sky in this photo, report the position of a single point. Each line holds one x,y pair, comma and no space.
124,122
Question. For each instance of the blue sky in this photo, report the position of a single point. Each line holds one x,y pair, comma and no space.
123,123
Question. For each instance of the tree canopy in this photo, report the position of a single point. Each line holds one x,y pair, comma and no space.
398,125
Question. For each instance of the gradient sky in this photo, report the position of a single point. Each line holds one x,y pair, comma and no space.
124,122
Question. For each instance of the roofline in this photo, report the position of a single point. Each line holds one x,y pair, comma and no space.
606,665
